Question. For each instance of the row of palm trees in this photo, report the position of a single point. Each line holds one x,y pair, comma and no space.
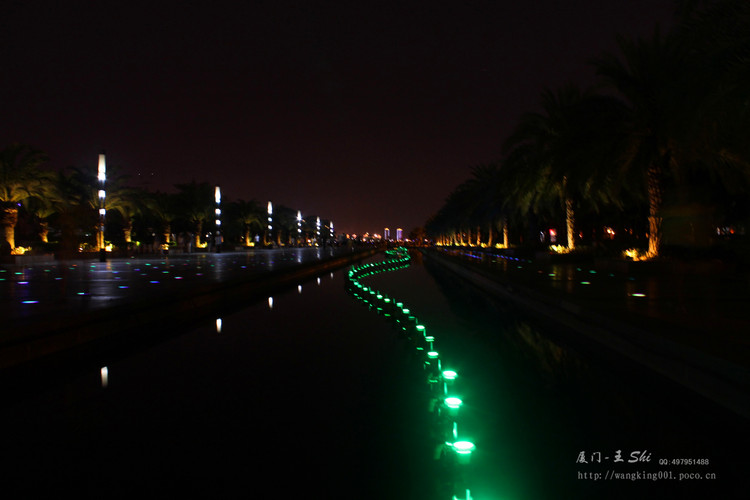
66,203
667,125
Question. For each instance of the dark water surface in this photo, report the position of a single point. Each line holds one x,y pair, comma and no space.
312,395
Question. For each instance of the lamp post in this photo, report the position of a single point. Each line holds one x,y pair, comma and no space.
270,221
299,227
317,230
102,176
219,237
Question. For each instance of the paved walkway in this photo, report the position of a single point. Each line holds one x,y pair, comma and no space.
693,304
48,307
690,325
31,290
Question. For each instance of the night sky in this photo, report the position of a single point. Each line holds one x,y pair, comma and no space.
367,113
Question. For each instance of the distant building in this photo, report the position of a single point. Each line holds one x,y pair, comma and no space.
386,234
399,234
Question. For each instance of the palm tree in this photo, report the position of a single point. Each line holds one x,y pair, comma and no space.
163,208
687,104
128,202
250,214
20,179
196,205
549,159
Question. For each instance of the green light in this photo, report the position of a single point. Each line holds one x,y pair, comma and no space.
379,296
432,354
405,311
420,328
429,338
450,375
464,447
453,402
399,304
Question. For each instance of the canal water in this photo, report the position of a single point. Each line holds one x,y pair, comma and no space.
311,393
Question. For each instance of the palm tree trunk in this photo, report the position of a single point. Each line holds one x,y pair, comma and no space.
127,231
8,221
489,233
654,209
198,232
44,231
167,233
479,237
505,231
570,222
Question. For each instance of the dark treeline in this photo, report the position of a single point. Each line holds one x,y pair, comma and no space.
58,211
656,156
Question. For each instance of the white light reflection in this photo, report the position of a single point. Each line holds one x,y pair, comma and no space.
218,325
270,302
299,288
318,280
105,376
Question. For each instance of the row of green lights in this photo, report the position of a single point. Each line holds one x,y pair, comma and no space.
447,404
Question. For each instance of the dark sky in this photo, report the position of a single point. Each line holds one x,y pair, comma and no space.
367,113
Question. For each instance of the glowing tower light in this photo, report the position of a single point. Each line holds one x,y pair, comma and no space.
217,196
102,177
270,221
299,226
399,234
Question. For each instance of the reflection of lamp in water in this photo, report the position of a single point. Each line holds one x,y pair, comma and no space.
105,376
270,302
218,325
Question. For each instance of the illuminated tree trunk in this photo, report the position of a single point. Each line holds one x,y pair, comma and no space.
505,232
479,237
654,209
198,234
489,237
247,236
44,231
127,231
570,222
8,221
166,235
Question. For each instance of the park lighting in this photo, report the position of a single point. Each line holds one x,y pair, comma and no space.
331,229
102,177
299,225
464,450
217,197
317,227
270,216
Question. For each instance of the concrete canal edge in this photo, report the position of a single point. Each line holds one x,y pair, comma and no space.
53,338
720,381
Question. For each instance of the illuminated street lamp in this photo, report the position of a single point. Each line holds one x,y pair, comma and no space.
317,229
270,221
102,177
299,226
219,237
